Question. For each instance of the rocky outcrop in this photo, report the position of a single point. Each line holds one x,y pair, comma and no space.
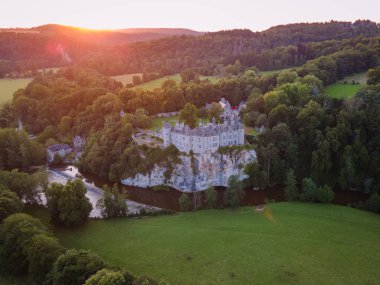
197,171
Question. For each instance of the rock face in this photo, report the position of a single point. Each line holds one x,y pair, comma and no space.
198,172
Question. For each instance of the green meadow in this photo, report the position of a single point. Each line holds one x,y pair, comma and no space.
293,243
344,88
153,84
9,86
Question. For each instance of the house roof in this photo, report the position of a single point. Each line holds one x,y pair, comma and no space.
57,147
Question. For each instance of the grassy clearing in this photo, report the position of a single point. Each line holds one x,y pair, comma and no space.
305,244
125,78
9,86
344,88
157,122
271,72
151,85
248,131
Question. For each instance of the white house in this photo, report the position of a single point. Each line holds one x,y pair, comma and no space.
58,149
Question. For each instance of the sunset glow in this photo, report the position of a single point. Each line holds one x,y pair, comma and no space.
200,15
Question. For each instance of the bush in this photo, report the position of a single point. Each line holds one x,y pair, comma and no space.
234,192
325,194
106,277
184,202
291,192
74,267
309,190
16,234
211,197
373,203
145,280
42,253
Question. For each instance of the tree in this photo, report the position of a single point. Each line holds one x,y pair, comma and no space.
106,277
189,116
215,111
113,204
373,76
16,234
309,190
325,194
68,204
74,267
373,203
136,80
42,253
188,75
21,183
9,203
234,192
210,197
184,202
286,76
291,192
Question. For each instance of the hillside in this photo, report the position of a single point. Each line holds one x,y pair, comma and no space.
120,52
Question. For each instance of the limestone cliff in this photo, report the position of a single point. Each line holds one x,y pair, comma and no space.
197,171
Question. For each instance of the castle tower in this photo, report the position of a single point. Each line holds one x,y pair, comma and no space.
166,130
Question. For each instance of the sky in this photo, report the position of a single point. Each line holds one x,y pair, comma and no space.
201,15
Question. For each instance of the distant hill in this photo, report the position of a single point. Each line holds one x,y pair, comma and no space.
161,31
166,50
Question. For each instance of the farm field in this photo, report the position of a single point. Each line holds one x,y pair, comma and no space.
9,86
302,244
125,78
151,85
341,90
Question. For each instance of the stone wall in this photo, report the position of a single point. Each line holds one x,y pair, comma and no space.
197,172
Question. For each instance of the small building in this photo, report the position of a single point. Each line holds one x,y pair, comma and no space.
58,149
79,143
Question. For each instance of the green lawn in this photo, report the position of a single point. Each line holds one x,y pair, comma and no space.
157,122
305,244
125,78
9,86
151,85
344,88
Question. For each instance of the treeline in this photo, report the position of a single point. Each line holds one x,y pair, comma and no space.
334,142
278,47
107,52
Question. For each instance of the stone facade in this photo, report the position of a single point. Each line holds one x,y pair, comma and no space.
206,137
199,173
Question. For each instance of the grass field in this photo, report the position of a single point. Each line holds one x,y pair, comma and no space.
151,85
125,78
271,72
305,244
157,122
340,90
9,86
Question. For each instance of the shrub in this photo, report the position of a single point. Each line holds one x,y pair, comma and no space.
373,203
184,202
309,190
42,253
291,192
106,277
234,192
74,267
16,234
325,194
210,197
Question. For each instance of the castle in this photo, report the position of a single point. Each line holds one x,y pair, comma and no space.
206,137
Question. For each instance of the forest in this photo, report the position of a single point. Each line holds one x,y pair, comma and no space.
333,142
114,53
